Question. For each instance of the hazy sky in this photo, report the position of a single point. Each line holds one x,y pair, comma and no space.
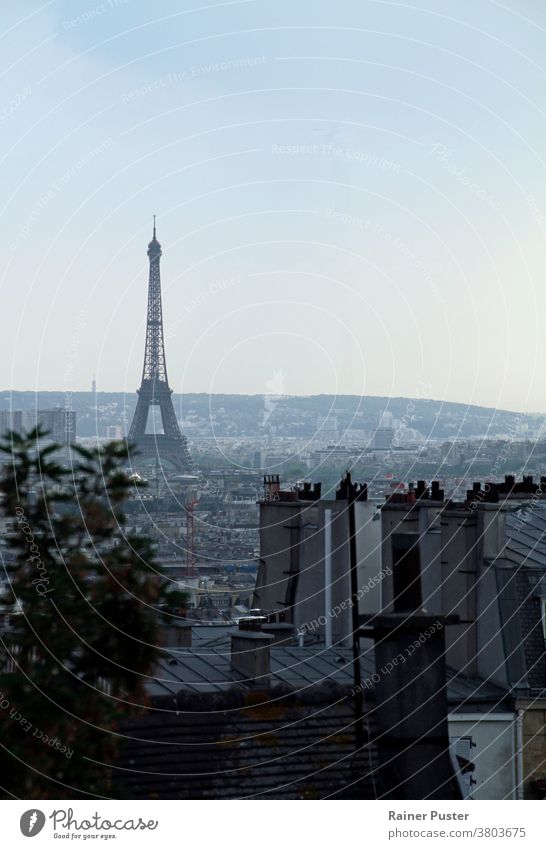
351,195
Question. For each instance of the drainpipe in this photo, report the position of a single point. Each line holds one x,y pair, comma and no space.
357,671
328,577
519,755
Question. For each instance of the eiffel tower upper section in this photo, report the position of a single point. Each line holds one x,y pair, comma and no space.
171,445
154,370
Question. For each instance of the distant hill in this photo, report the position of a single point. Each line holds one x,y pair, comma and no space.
283,415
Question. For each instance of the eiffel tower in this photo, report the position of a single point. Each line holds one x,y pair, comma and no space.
168,450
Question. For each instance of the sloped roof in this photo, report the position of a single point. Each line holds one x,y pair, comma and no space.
527,537
208,669
245,745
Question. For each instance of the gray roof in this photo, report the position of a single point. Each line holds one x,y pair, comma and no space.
526,534
243,745
208,669
207,736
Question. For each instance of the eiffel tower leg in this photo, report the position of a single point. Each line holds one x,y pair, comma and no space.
140,419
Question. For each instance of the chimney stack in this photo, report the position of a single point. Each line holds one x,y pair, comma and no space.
460,544
411,707
436,493
283,632
272,487
250,652
410,687
176,633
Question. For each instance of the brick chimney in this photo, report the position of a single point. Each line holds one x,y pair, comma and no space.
251,652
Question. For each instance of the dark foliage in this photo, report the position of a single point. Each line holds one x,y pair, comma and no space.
84,604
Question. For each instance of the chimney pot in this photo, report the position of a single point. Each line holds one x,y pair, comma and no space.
251,623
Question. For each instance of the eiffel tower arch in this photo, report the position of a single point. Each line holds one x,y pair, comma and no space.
167,450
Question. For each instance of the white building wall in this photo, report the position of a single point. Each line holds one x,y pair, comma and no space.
368,552
493,752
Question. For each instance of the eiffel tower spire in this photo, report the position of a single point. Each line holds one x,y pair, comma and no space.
170,446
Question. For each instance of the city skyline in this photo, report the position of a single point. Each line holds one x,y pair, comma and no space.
273,416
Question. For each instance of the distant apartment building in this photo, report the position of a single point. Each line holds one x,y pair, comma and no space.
11,420
114,432
335,455
59,423
386,419
327,429
383,438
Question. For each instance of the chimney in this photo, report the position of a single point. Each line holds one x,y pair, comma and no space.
422,490
176,633
283,632
436,493
492,529
459,584
272,487
410,687
411,707
250,652
309,492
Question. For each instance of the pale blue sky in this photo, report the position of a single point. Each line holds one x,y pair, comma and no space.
351,194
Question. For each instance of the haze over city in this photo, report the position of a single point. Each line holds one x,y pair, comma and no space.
356,194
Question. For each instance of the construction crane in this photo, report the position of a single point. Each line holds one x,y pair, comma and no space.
190,538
